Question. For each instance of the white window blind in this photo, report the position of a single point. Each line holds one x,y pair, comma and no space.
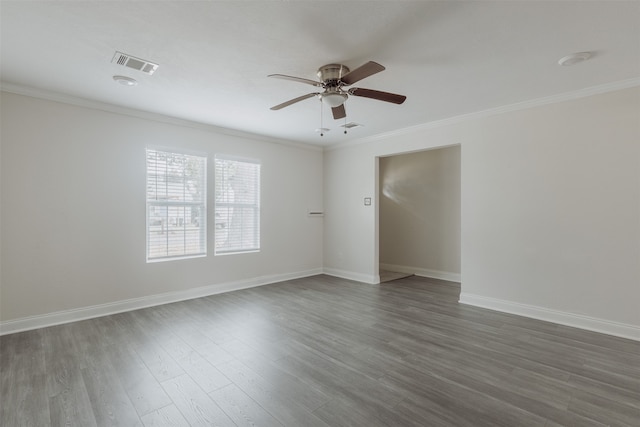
176,205
237,205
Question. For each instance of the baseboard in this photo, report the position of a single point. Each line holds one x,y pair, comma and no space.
74,315
372,279
422,272
563,318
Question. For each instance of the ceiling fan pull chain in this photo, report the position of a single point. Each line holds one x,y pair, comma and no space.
345,124
321,119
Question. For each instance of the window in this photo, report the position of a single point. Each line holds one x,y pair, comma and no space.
237,210
176,205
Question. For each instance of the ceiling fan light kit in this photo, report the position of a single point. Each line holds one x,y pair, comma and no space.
334,78
334,99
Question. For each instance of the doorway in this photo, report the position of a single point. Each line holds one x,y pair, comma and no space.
419,214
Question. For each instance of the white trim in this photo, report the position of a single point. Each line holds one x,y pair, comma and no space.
422,272
563,318
372,279
74,315
141,114
553,99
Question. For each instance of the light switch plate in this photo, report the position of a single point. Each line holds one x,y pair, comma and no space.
367,201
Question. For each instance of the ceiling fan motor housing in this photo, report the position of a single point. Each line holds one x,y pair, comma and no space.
330,74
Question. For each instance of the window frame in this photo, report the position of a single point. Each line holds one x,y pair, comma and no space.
256,206
202,204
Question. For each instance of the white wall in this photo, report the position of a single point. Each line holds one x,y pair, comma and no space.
550,209
419,213
73,211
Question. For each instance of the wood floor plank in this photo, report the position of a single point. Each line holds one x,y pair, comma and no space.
243,410
67,409
627,396
24,399
425,412
176,347
163,417
31,402
336,378
270,395
205,347
472,406
110,403
493,371
158,361
207,376
194,404
356,411
68,397
283,380
62,359
144,391
542,398
604,410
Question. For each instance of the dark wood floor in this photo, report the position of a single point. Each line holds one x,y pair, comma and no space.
319,351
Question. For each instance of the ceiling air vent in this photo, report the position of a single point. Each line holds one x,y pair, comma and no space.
351,125
135,63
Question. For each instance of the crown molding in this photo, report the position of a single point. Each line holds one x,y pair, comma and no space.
112,108
141,114
553,99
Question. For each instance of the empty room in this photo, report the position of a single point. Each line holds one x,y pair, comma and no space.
319,213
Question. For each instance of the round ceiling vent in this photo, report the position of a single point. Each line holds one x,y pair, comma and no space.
125,81
574,58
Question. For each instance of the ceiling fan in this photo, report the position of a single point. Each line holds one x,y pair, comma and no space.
334,78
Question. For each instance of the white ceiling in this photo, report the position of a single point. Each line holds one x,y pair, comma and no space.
449,57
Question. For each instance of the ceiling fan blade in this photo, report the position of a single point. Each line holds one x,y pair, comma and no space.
339,112
361,72
294,100
379,95
296,79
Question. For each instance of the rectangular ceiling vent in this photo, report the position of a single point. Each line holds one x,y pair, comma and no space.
351,125
135,63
